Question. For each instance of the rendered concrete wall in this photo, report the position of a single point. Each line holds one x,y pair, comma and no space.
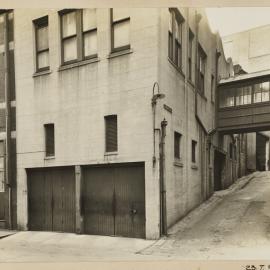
77,99
188,184
250,49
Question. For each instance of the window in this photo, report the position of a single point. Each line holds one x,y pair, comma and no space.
2,166
201,69
111,133
42,43
261,92
120,32
190,47
193,151
212,87
78,34
177,140
49,140
243,95
175,37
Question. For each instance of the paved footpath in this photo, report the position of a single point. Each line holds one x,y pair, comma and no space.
233,224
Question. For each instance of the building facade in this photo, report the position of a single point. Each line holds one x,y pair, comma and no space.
249,48
8,183
115,118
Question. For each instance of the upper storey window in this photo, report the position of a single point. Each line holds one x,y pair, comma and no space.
78,35
120,29
201,69
42,43
175,49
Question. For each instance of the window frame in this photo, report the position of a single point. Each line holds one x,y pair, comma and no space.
47,153
213,86
83,40
193,151
38,24
190,53
201,69
112,25
175,48
177,145
79,37
107,147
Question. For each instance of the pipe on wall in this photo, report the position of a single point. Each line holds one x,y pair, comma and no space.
8,130
163,208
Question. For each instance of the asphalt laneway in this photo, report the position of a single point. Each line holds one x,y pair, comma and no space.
237,228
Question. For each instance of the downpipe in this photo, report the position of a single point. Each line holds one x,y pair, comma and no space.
163,208
8,132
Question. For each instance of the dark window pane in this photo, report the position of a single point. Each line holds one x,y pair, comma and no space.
170,46
193,151
111,133
49,139
177,138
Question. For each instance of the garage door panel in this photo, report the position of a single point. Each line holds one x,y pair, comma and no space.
40,213
130,201
35,205
52,199
114,200
58,210
98,201
47,203
68,200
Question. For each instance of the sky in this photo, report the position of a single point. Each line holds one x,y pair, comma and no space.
237,19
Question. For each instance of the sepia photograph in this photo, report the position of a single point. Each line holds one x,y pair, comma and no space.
135,133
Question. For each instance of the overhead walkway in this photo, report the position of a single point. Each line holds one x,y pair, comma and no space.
244,103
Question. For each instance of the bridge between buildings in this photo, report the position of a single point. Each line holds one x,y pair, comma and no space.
244,103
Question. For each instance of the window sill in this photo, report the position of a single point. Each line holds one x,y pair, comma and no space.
176,67
119,53
111,153
194,167
178,163
78,64
49,157
41,73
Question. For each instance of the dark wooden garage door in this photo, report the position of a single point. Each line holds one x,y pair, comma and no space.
51,199
114,200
